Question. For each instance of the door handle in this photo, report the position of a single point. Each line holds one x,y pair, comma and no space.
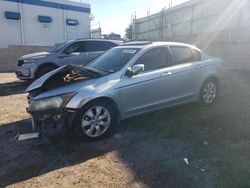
86,54
167,74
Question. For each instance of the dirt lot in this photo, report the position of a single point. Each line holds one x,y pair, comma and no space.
151,152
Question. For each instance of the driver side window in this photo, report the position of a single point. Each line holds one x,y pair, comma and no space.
153,59
75,47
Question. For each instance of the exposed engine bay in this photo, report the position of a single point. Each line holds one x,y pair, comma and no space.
66,75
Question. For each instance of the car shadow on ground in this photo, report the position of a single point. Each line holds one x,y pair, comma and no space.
22,160
150,145
153,145
13,88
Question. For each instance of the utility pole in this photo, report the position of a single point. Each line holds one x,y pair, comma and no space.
133,18
148,15
22,24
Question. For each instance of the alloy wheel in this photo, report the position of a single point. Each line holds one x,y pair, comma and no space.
96,121
209,92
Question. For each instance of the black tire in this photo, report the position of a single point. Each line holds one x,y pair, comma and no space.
209,97
82,132
44,70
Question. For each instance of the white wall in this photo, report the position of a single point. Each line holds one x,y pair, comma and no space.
10,30
80,31
36,33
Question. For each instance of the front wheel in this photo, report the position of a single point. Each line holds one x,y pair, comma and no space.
209,92
94,120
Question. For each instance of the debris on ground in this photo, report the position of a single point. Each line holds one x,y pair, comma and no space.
117,136
201,169
205,143
186,161
27,136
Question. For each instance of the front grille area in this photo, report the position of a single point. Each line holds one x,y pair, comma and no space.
20,63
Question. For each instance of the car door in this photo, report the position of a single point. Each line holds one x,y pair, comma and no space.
149,89
187,69
75,54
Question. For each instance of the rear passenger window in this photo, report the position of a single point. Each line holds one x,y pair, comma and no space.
106,46
196,55
181,55
153,59
94,46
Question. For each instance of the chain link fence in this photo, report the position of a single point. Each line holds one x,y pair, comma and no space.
219,27
199,22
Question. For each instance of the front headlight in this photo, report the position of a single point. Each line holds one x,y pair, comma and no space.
50,103
29,61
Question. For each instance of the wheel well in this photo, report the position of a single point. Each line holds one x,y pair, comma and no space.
212,78
46,65
108,101
208,78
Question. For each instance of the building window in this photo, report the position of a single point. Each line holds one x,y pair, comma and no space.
44,19
12,18
12,15
72,22
72,25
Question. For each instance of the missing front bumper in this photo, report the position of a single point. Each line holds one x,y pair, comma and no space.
54,117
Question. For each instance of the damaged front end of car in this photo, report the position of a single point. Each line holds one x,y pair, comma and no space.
51,109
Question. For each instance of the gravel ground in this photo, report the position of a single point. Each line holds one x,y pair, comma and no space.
150,153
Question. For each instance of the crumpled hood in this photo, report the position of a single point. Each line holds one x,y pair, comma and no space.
41,81
87,86
53,83
34,55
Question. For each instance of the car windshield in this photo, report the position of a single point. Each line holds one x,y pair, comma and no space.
113,60
58,48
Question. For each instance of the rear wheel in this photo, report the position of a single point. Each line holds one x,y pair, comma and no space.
94,121
44,70
209,92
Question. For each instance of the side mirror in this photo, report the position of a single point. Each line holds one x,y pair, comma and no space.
135,69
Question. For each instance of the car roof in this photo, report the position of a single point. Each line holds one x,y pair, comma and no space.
147,44
118,42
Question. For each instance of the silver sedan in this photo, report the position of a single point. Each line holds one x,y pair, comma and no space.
128,80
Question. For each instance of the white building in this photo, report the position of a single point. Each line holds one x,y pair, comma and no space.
42,22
